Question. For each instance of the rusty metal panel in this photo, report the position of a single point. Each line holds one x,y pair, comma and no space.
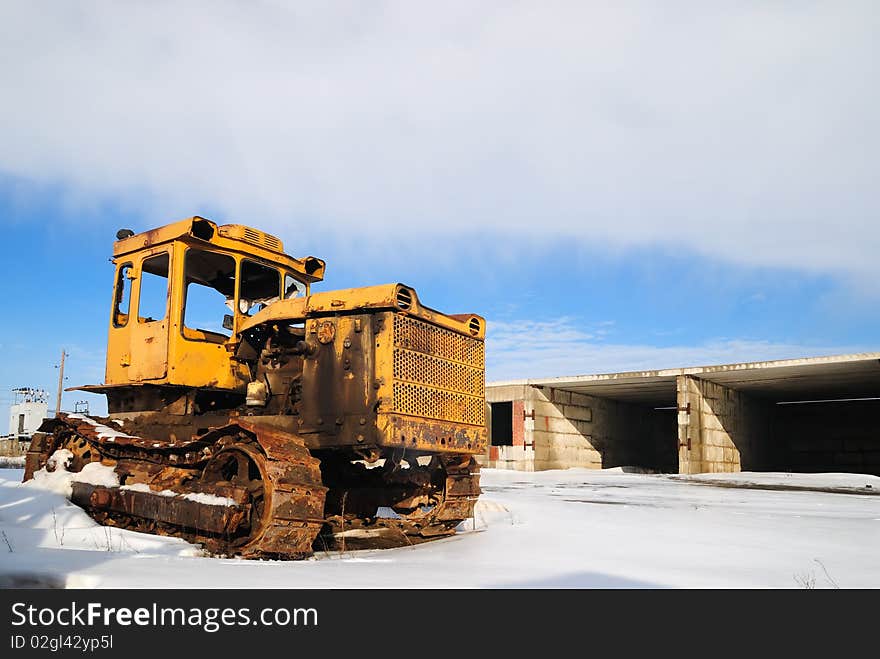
428,435
337,384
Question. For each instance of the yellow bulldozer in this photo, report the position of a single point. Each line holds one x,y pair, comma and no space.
259,419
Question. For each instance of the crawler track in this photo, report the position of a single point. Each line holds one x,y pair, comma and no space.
252,491
396,505
269,488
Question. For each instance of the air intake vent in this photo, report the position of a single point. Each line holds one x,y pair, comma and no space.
264,239
474,326
404,298
253,236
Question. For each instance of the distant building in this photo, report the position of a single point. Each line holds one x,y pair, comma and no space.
818,414
27,412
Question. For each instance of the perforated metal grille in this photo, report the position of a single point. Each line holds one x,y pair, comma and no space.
438,374
418,400
413,334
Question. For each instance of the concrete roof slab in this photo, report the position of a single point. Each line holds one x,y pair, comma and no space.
811,378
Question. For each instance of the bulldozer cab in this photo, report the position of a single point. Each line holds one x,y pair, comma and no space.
181,293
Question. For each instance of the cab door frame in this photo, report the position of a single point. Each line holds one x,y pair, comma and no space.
148,339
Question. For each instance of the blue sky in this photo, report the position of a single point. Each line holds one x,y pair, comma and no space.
613,188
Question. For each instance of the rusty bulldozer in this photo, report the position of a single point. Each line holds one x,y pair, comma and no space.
262,420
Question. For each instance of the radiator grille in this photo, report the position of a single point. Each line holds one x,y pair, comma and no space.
438,374
417,335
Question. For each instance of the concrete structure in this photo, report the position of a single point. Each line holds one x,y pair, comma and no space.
803,415
27,412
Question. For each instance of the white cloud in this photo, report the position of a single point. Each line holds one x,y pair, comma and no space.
558,348
745,131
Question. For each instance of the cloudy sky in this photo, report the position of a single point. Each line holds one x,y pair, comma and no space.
614,185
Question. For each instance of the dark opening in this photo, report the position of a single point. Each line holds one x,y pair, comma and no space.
502,424
21,424
838,436
260,286
202,229
404,299
637,434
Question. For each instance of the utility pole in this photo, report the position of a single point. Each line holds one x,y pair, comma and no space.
60,383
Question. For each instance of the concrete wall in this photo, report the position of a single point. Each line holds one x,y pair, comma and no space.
34,413
521,455
720,429
834,437
563,429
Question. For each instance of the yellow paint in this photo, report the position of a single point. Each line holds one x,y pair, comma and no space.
163,351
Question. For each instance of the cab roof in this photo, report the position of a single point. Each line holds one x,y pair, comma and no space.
228,237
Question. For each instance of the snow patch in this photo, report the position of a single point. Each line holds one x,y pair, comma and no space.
209,499
55,477
199,497
96,473
102,431
50,537
364,533
487,513
11,462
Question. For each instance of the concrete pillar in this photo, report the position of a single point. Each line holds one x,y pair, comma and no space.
719,429
690,440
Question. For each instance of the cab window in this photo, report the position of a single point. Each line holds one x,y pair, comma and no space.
293,288
153,301
209,280
122,298
260,286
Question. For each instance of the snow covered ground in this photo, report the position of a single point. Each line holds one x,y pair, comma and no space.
556,529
